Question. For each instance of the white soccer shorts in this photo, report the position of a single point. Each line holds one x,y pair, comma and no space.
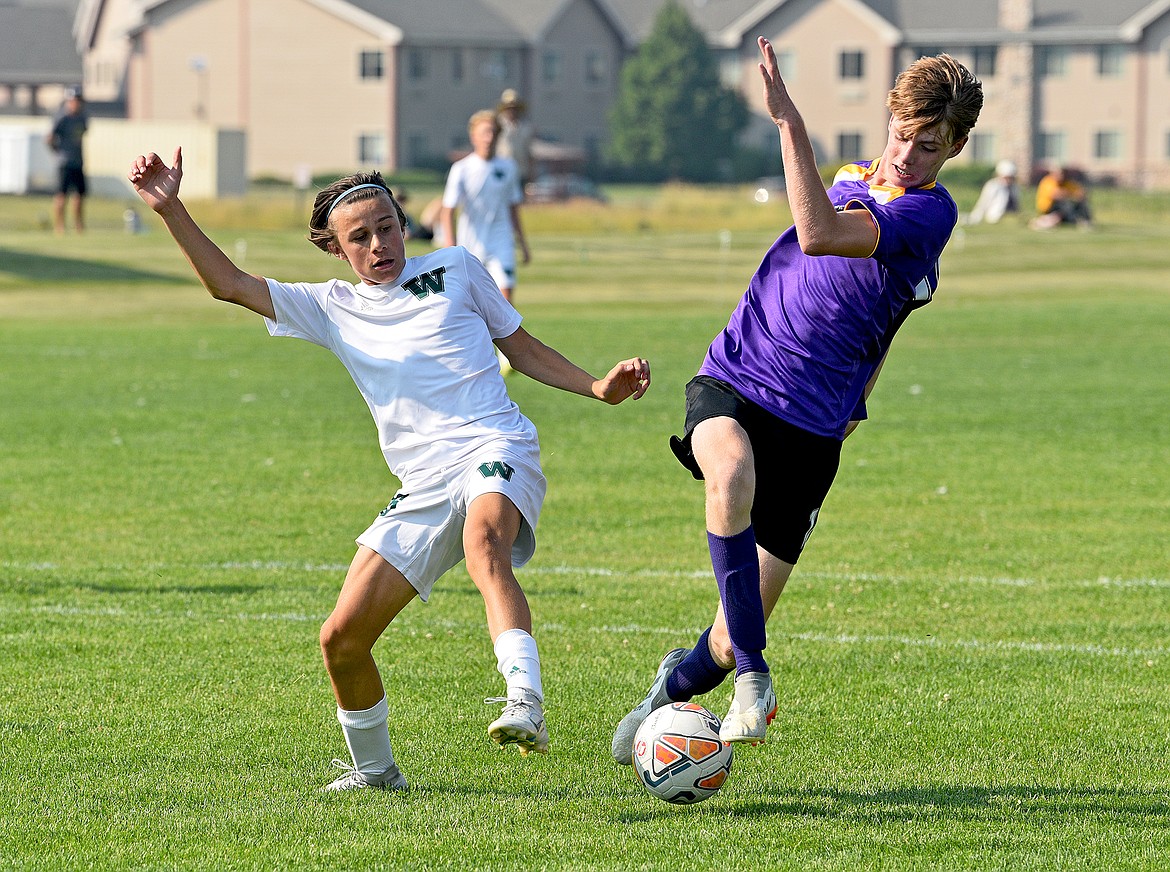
503,273
420,533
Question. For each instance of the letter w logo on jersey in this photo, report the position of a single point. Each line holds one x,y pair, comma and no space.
497,468
426,284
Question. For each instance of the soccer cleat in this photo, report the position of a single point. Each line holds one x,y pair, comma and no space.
391,779
623,737
752,709
521,723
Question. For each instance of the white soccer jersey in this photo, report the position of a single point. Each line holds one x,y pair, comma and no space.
420,353
484,191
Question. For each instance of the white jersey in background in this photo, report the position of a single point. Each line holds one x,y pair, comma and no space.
484,192
421,354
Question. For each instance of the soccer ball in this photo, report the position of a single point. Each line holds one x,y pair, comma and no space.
678,755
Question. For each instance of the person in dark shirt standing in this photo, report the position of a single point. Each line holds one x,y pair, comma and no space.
65,139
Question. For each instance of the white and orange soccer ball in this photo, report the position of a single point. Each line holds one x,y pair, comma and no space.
678,755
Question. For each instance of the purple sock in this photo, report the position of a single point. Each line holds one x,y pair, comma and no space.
737,570
697,674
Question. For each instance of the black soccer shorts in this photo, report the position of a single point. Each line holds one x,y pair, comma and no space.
794,468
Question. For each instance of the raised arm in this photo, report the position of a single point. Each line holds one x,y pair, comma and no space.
158,186
820,228
529,355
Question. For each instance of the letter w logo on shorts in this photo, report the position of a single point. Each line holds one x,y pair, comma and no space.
497,468
427,283
398,497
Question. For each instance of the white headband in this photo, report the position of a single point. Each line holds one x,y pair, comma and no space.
349,191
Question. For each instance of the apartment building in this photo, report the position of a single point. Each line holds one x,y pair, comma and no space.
334,84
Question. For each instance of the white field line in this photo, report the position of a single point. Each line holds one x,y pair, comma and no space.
842,639
678,632
606,572
774,634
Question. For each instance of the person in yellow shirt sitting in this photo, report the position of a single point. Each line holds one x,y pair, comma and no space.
1061,199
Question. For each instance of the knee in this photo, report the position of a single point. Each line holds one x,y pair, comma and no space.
731,483
339,647
484,549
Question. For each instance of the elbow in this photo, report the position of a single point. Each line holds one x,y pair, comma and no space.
814,245
222,294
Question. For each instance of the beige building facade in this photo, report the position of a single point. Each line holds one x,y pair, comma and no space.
330,85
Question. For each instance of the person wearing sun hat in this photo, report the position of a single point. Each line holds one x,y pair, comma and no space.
999,196
516,132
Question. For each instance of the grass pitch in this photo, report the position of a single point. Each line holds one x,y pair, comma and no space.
971,658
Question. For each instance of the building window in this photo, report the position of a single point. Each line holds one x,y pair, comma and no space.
1109,61
927,51
495,65
418,149
457,71
1052,146
1107,144
981,147
551,66
371,65
849,145
1052,60
596,68
416,64
851,65
786,64
984,60
730,71
372,149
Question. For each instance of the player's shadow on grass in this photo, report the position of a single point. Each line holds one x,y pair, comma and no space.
971,801
42,269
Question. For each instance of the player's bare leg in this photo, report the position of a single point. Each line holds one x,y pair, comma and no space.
373,594
724,453
493,523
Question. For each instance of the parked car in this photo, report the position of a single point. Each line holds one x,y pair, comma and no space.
558,188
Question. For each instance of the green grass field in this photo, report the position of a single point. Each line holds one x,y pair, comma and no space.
971,659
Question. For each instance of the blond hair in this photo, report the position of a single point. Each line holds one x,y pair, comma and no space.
936,92
481,116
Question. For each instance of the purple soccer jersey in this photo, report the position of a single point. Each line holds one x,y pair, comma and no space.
810,331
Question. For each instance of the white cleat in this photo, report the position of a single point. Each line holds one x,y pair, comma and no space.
622,748
521,723
391,779
752,709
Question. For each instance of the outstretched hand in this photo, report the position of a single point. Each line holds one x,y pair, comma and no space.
630,378
776,99
156,183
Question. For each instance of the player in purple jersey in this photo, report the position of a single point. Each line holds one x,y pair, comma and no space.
786,381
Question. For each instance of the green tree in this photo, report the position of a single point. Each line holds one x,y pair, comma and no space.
672,116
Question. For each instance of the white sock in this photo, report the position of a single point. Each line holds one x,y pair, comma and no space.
518,662
368,737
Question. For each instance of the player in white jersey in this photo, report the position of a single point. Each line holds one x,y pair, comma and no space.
486,191
418,336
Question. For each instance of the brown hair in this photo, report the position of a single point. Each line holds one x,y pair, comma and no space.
936,92
320,233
